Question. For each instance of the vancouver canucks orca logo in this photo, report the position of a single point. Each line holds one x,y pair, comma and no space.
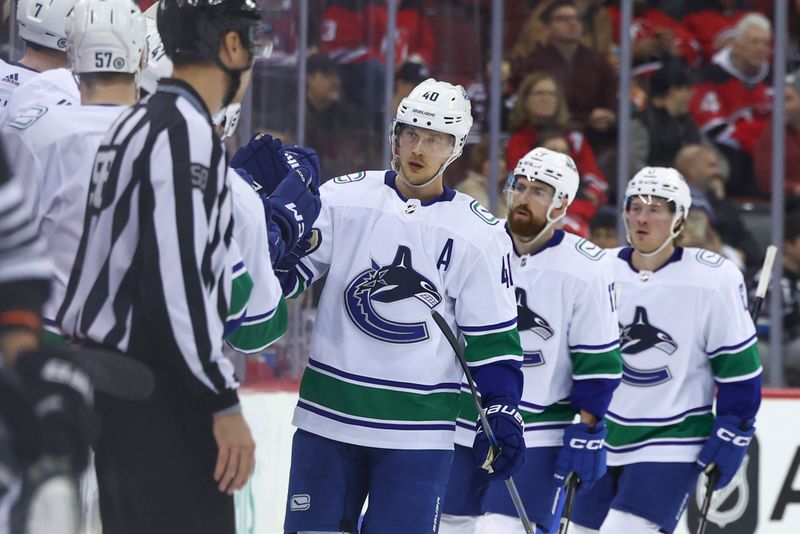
638,337
391,283
527,319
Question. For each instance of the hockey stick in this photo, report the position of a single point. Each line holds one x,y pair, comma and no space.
761,292
512,488
111,372
571,483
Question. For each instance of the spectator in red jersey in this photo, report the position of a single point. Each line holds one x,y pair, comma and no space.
731,104
586,77
354,35
712,23
659,131
763,155
541,105
656,37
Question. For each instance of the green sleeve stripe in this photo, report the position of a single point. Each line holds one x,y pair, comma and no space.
598,363
375,402
300,287
53,340
694,426
740,364
241,288
251,338
491,346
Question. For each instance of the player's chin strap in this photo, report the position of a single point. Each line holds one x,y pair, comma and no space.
673,234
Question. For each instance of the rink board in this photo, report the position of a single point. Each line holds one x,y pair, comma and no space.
766,501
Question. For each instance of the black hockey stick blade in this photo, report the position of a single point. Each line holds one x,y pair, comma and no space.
111,372
510,485
713,477
571,485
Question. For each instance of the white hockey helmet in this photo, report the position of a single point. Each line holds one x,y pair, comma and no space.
159,65
553,168
44,22
661,182
106,36
439,106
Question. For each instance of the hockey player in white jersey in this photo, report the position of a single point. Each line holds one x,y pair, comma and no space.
380,395
685,329
41,27
570,341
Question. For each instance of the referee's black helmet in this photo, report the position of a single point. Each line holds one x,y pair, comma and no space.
192,30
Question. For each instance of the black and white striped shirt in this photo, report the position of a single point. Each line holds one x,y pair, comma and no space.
149,278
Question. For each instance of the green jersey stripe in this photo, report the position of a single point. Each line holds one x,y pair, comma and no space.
738,364
494,345
598,363
694,426
241,287
375,402
254,337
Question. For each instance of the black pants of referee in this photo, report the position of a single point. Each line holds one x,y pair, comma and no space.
155,465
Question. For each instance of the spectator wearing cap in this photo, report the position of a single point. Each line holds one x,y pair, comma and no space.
731,105
408,76
700,166
343,136
763,155
660,130
586,77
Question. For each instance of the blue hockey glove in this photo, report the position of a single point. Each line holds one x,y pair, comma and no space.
303,156
506,423
262,159
294,209
583,453
269,162
726,447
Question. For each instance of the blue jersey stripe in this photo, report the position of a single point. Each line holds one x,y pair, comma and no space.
700,410
488,328
733,348
373,424
381,382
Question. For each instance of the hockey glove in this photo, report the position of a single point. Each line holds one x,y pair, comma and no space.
268,162
583,453
506,423
726,447
62,398
294,209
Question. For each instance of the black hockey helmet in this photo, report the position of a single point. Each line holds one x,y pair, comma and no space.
192,30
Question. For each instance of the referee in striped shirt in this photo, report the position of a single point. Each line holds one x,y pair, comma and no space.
149,280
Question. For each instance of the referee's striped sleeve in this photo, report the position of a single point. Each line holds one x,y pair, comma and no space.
188,233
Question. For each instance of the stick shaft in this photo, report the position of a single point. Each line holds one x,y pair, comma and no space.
512,487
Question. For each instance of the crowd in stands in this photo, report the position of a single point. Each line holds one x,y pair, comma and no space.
701,96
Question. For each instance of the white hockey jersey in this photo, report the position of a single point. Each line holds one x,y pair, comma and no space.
12,77
55,87
567,324
380,373
265,316
683,327
54,150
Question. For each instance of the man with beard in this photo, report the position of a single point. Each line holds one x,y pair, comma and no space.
568,328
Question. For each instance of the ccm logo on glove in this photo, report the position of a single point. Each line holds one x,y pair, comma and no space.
588,444
740,441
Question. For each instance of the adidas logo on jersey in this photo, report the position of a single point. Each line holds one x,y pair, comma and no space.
11,79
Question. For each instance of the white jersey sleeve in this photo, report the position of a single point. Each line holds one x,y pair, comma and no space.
265,318
731,342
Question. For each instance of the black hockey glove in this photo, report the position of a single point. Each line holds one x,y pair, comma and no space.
61,395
